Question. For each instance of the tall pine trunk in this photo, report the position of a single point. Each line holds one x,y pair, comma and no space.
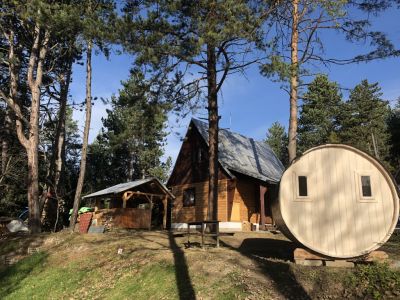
49,209
5,141
33,151
82,171
34,72
59,153
294,82
213,119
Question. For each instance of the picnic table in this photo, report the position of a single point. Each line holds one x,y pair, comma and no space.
203,225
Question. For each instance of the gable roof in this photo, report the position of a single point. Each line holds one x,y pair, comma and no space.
244,155
126,186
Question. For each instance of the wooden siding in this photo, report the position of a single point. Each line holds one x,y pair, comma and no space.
247,194
198,212
238,201
189,167
134,218
238,198
334,219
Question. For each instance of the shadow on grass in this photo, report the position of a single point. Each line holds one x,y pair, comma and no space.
12,277
268,248
265,252
183,281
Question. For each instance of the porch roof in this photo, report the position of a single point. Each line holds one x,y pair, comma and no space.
123,187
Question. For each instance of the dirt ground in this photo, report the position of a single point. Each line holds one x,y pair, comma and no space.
246,266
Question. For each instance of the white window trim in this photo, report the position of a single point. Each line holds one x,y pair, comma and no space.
372,178
297,196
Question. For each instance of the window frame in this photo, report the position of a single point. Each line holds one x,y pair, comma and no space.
296,176
193,190
361,197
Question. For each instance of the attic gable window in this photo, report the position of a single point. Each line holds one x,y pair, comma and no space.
366,186
189,197
302,181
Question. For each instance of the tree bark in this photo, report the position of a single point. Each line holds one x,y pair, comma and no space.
31,143
49,211
213,119
82,171
5,141
294,82
35,76
59,153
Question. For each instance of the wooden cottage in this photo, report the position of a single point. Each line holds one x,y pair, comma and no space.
138,204
337,201
248,172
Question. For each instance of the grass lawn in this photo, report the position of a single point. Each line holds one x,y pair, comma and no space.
156,265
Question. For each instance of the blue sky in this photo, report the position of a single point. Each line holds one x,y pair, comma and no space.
248,104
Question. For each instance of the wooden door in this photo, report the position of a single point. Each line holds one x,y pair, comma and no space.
235,215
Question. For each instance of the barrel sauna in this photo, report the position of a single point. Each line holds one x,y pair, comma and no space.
337,201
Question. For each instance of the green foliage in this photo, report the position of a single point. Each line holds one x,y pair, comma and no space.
394,129
172,38
318,123
363,117
132,139
375,281
277,139
313,17
12,182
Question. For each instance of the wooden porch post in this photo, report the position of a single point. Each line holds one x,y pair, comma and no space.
263,190
151,210
165,204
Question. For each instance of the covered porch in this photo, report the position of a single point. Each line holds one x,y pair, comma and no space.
140,204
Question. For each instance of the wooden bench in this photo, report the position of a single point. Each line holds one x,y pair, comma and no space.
203,225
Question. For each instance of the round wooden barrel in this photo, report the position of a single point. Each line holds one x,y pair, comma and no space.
337,201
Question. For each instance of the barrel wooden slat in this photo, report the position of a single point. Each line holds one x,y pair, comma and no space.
335,219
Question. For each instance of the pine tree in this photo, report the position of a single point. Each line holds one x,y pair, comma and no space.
277,139
318,122
202,43
394,129
130,145
97,19
297,46
363,120
33,31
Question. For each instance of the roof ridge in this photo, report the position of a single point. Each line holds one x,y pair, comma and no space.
235,150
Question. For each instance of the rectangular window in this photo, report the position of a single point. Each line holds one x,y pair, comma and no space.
303,186
189,197
366,186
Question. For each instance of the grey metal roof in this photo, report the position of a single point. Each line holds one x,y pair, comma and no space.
245,155
122,187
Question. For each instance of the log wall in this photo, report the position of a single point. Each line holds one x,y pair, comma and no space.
134,218
198,212
238,201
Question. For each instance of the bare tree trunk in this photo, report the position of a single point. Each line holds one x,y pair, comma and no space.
5,141
30,143
60,131
49,211
294,82
213,119
37,57
85,136
33,190
130,166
